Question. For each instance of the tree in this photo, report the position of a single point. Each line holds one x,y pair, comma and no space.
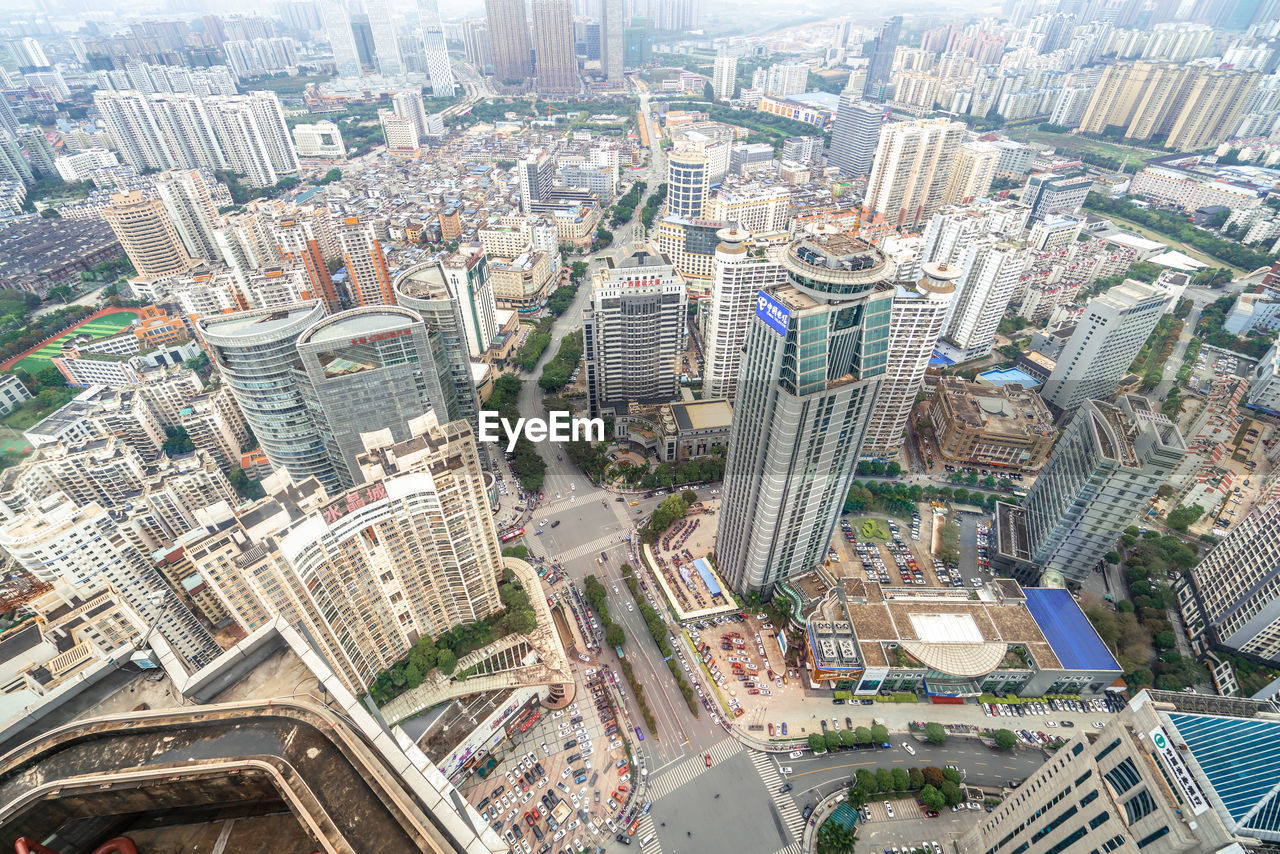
952,774
1183,516
1004,739
412,675
884,779
935,733
831,740
833,837
614,635
951,793
865,782
880,734
901,780
916,776
816,743
688,496
446,661
862,735
933,775
932,798
62,292
1112,557
708,91
177,441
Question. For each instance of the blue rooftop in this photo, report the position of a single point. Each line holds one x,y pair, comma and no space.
1241,759
1068,631
939,359
1001,377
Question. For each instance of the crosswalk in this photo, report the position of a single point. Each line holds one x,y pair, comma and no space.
791,816
646,829
690,767
599,544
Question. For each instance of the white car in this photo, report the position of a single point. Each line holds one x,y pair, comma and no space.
795,754
908,748
573,825
784,769
542,524
888,808
559,834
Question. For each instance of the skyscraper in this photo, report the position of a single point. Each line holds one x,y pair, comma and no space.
556,68
56,540
509,40
537,172
436,291
1105,342
737,276
688,182
1108,463
880,65
914,326
911,168
633,334
724,76
385,44
337,29
148,236
1048,194
368,282
189,204
255,352
613,50
412,552
990,270
370,369
812,366
856,134
1237,586
434,50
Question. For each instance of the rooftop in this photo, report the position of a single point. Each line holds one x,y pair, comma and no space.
1068,631
1240,757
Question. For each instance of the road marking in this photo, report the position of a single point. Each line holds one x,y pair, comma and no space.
833,768
787,809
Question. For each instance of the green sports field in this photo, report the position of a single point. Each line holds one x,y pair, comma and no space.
101,327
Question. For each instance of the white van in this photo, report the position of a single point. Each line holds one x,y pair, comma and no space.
646,840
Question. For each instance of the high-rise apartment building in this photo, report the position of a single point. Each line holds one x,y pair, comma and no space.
738,274
509,40
1173,773
724,76
688,182
368,282
412,552
370,369
434,50
912,164
386,46
56,540
856,134
633,334
1050,196
1105,342
1237,586
990,270
148,236
613,53
254,352
951,229
914,326
298,242
188,201
972,173
242,133
556,68
337,29
787,79
812,367
1107,465
880,64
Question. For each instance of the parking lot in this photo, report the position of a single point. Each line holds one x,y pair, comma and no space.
565,781
1041,722
745,662
904,557
910,831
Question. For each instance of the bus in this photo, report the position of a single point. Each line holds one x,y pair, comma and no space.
510,534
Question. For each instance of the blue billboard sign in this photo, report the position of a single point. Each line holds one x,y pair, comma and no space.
772,312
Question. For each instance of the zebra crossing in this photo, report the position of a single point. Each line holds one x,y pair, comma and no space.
787,808
646,829
793,848
595,546
690,767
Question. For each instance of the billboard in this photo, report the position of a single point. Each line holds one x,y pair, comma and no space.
772,312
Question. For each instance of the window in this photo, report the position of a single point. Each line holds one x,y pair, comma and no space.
1123,777
1139,806
1098,819
1110,747
1152,837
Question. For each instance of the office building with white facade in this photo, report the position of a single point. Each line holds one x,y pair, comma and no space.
738,274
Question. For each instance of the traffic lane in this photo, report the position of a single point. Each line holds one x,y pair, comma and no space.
652,673
727,808
981,765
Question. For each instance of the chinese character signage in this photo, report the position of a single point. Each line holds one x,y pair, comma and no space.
354,501
1179,771
772,312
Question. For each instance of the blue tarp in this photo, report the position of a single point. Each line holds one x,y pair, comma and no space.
1005,376
1068,630
704,569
